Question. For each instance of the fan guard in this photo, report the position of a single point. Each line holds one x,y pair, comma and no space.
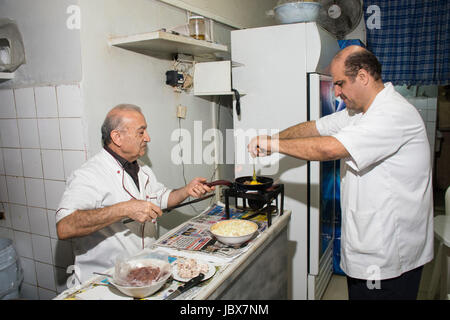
340,17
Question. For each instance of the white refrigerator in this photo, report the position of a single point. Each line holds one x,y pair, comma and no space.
282,75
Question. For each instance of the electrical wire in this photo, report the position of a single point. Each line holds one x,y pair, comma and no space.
181,153
182,162
218,128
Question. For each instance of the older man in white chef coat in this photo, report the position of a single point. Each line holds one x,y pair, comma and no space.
111,186
386,189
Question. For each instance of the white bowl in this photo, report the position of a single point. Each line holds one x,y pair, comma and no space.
144,291
294,12
221,230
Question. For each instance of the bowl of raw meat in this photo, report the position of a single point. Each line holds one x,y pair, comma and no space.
140,277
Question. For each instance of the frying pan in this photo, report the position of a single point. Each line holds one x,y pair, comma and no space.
239,183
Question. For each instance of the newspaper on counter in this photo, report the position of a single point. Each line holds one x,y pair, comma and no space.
193,237
99,288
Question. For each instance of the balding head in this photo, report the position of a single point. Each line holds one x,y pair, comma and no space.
354,58
114,120
356,76
344,53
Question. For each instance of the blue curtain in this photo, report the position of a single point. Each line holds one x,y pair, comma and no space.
413,41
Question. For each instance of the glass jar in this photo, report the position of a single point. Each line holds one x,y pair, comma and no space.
197,27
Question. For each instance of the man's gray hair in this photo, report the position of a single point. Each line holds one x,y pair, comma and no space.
113,120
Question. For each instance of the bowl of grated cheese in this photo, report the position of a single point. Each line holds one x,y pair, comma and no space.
234,231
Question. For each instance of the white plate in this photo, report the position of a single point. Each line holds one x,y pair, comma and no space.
209,274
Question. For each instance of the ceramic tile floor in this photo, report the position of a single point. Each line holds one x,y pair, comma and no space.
337,288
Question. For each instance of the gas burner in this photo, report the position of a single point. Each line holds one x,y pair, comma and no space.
260,200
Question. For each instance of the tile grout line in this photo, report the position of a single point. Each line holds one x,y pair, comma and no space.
64,175
25,189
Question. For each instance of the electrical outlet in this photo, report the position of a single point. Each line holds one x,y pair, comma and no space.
181,111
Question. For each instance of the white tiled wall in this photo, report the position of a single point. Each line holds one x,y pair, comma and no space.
427,108
41,143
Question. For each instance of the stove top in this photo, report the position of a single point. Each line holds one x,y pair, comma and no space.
261,201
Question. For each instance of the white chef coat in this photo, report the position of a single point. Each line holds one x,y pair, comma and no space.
386,187
99,183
